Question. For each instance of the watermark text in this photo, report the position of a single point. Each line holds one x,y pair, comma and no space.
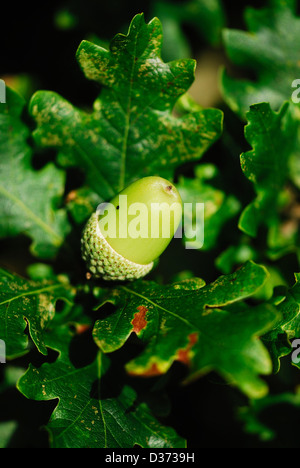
2,352
2,92
155,221
296,93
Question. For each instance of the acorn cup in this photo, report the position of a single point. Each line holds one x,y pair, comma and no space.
124,237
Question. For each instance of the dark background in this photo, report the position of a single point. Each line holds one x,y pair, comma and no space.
32,43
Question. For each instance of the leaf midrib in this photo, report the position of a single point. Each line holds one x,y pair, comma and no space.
31,215
31,293
187,322
127,120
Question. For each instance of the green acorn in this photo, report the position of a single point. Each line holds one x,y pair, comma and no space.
124,237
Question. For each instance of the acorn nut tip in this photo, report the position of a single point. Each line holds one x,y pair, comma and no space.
123,238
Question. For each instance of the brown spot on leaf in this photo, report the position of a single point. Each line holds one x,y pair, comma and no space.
71,196
82,328
184,354
139,322
151,372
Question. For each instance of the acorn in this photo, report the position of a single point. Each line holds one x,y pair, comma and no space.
123,239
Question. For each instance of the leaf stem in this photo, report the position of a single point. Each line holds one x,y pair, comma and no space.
127,120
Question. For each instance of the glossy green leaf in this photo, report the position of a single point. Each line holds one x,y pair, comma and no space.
289,306
270,51
131,131
90,412
272,138
279,340
29,199
29,304
205,327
